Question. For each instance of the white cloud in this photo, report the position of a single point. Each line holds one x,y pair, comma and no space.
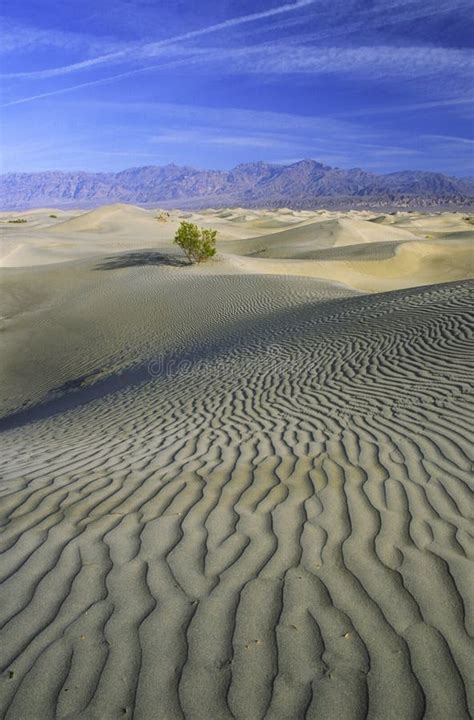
306,57
375,61
451,138
209,136
17,38
455,103
152,49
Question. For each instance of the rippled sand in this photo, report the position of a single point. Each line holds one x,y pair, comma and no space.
235,490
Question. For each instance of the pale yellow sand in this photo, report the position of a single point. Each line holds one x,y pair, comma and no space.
378,255
410,264
232,491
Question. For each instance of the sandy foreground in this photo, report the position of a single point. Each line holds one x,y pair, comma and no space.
240,489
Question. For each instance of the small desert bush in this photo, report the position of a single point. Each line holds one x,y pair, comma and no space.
197,243
53,216
18,220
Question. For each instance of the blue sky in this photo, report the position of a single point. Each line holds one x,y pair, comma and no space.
104,85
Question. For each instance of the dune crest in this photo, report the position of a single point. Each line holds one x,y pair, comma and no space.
359,249
232,491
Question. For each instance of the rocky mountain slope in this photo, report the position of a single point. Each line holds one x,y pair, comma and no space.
302,184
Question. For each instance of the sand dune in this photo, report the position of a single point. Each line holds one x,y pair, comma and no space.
236,490
307,239
379,266
280,234
280,532
437,223
138,304
110,218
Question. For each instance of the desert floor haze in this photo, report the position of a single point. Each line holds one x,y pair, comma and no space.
238,489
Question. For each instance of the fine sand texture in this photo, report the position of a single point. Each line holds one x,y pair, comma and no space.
239,490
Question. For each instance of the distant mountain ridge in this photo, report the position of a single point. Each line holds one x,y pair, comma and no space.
306,183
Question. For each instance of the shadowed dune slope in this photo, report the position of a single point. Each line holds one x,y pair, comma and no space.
279,529
376,267
90,319
304,237
308,239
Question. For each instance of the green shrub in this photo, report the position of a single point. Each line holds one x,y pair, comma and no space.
18,220
198,244
53,216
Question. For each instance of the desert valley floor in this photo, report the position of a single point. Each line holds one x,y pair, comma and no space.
239,489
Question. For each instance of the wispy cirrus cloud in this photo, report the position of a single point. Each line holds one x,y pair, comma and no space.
226,120
86,84
155,48
303,55
287,58
19,38
236,127
374,59
277,59
451,139
444,103
156,132
211,137
360,82
339,20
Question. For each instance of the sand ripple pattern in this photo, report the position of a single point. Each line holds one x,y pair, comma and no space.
284,533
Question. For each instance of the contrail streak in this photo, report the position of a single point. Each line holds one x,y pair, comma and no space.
149,48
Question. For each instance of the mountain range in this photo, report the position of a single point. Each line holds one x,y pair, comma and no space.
303,184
